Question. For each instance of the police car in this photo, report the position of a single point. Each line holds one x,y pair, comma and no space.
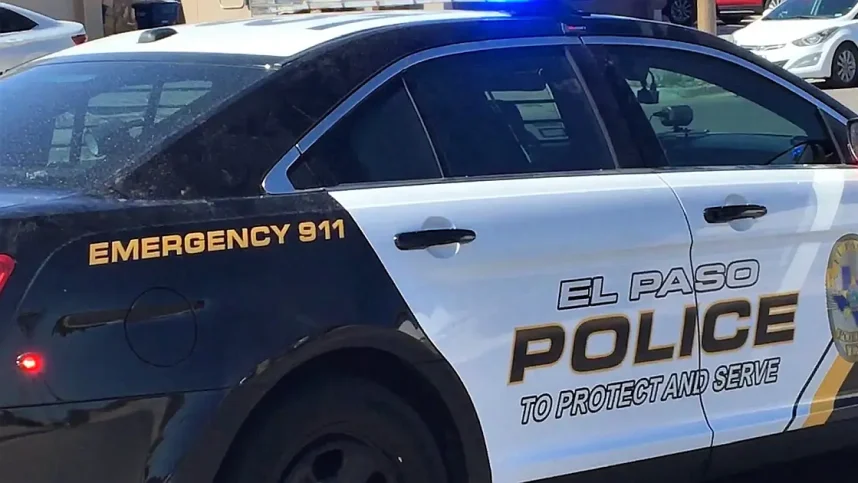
490,242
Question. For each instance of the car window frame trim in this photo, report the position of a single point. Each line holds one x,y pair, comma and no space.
276,181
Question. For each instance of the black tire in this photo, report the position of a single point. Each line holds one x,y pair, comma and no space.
844,66
335,425
681,12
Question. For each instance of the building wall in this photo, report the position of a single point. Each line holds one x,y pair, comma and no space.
119,16
58,9
209,10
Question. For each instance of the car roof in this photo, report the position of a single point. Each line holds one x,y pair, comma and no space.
279,38
277,35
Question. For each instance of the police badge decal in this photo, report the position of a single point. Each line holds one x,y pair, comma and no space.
841,292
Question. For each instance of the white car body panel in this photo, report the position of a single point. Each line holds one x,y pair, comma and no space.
532,235
808,211
47,37
279,36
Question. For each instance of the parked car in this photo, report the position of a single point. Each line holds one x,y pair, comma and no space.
26,35
813,39
684,12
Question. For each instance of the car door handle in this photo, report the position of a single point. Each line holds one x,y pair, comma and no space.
422,239
725,214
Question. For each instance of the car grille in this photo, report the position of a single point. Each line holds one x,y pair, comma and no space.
759,48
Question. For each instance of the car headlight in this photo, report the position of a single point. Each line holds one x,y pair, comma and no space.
817,38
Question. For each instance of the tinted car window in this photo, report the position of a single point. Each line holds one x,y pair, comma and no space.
81,126
381,140
709,112
804,9
509,111
14,22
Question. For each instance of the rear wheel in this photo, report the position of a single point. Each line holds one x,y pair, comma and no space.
844,66
682,12
339,430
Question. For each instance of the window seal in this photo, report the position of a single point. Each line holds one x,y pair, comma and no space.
594,107
423,126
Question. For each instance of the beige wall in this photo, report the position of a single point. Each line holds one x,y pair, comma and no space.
87,12
208,10
59,9
120,16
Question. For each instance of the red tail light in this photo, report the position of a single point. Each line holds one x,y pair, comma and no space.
7,265
79,39
30,363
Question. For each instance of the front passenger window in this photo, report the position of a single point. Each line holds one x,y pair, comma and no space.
710,112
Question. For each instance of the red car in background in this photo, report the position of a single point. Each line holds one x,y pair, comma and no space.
684,12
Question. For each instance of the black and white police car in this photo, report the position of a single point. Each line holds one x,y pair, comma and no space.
496,242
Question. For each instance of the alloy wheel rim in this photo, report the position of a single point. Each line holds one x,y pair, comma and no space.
680,10
343,460
846,66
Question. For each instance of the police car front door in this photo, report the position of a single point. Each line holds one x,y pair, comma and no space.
768,248
552,296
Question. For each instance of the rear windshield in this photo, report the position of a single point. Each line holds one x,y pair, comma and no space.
77,126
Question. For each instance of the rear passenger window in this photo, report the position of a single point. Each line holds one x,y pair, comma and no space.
509,111
11,22
381,140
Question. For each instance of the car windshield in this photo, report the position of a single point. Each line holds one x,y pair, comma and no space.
810,9
78,126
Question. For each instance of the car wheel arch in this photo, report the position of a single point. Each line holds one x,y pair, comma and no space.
834,80
382,354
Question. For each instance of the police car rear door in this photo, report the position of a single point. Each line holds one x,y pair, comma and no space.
518,264
755,166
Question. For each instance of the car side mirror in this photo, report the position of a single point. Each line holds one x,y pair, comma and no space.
647,96
852,141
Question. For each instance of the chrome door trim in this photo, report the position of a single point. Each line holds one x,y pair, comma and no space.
277,181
